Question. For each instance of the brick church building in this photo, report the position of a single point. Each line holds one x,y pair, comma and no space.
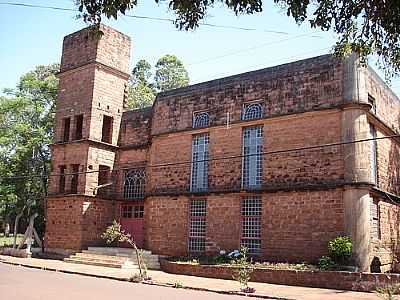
264,159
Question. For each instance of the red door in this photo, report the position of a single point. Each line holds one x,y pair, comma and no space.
132,222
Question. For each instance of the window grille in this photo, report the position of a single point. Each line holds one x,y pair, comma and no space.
373,149
251,224
252,111
132,211
201,119
252,157
199,178
375,220
197,226
134,185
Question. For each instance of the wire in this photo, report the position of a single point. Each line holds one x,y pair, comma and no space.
217,158
149,18
252,48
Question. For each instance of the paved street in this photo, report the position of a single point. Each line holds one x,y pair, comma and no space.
18,277
20,283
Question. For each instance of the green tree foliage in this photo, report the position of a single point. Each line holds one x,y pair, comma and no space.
366,27
170,73
26,122
141,92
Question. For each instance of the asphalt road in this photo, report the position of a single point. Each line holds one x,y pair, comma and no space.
20,283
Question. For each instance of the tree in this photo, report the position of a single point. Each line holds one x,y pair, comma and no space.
366,27
170,73
26,130
141,92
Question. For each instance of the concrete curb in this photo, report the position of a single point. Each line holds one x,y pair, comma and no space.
154,283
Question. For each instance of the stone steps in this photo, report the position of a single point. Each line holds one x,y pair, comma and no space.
114,258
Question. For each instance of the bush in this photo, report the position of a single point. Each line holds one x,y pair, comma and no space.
340,249
325,263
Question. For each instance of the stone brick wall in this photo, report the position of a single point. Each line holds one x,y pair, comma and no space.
296,226
387,247
387,103
73,86
166,220
388,163
352,281
305,85
75,222
135,127
280,170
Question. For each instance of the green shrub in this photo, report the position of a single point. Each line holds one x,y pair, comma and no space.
243,268
340,249
325,263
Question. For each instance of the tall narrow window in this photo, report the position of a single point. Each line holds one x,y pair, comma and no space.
200,119
373,149
199,178
104,173
251,224
78,127
134,184
197,226
375,220
66,126
107,129
74,179
61,181
252,157
371,100
252,111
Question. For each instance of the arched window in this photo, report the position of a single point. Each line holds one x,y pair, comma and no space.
134,184
252,111
201,119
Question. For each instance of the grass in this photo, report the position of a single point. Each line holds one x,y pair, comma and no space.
8,241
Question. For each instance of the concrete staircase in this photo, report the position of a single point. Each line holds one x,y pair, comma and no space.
124,258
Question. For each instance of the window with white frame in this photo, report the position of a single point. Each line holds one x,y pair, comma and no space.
252,111
251,211
197,225
252,157
373,149
201,119
199,178
375,220
134,184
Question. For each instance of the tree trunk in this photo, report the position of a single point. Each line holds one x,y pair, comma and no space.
16,227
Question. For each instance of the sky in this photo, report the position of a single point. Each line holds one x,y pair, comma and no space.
33,36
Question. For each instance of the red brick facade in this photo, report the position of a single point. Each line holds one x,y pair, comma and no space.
308,194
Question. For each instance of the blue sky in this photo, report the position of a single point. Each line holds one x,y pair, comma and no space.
30,37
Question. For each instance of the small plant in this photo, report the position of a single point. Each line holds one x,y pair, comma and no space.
243,268
114,232
388,292
325,263
222,258
178,285
340,249
135,278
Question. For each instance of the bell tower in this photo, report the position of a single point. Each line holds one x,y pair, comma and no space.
93,74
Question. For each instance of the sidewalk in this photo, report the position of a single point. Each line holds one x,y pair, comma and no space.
263,290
